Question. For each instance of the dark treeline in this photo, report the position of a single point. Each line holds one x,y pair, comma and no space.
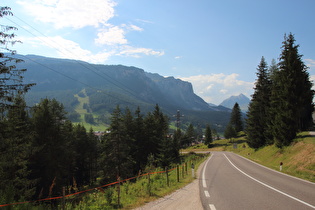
282,103
42,151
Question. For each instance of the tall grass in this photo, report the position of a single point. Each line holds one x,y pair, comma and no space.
298,159
141,190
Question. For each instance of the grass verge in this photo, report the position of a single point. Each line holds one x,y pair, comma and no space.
132,194
298,159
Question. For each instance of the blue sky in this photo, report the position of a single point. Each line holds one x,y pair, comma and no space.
214,44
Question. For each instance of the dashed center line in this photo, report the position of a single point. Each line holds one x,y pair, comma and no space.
207,194
212,207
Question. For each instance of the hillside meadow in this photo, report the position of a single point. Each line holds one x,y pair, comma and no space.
298,159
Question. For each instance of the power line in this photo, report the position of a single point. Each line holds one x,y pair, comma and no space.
108,79
87,85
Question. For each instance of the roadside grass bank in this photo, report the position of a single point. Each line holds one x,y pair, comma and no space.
144,189
298,159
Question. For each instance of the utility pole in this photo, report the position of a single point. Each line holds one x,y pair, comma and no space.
178,116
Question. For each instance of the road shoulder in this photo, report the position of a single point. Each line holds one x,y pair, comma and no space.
186,198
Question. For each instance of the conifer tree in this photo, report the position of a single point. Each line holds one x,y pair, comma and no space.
230,132
117,160
11,79
84,148
189,136
258,112
208,135
49,147
139,154
156,129
292,96
236,118
273,69
15,151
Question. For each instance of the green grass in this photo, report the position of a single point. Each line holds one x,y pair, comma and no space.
140,191
79,109
298,158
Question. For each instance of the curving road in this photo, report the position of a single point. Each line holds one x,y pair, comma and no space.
229,181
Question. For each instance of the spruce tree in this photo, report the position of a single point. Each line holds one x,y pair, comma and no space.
208,135
49,147
11,78
236,118
230,132
189,137
15,152
258,111
292,96
116,157
139,154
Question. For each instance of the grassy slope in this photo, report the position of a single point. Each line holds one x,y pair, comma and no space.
135,194
79,109
298,159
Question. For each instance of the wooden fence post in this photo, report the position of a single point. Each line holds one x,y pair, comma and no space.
63,198
186,168
167,180
149,184
118,193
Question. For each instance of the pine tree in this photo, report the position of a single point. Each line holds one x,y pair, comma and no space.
292,95
83,148
208,135
273,69
49,147
156,129
116,157
139,154
189,136
236,118
11,79
230,132
258,113
15,148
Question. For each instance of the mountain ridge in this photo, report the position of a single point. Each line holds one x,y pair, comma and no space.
110,85
242,100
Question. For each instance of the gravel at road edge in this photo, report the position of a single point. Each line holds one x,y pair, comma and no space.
186,198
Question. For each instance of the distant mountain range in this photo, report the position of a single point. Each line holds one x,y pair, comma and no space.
100,88
242,100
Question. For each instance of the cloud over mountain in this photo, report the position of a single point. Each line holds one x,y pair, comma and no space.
214,88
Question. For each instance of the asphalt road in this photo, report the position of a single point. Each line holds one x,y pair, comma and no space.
229,181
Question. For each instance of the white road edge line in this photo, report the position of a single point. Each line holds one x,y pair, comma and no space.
212,207
303,180
204,172
207,194
294,198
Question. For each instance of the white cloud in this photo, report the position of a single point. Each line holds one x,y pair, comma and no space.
72,50
111,36
70,13
310,63
77,14
136,52
134,28
215,88
67,49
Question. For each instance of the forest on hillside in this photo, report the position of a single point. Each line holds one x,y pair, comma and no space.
41,150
